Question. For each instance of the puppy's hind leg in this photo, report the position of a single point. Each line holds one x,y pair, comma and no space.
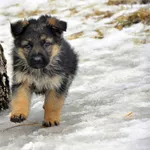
20,103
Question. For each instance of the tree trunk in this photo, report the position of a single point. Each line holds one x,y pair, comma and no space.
4,82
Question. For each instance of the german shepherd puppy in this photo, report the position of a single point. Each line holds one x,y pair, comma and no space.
43,63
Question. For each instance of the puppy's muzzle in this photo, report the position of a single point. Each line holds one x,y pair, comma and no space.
38,61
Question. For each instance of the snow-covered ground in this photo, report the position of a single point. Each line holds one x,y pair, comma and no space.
108,106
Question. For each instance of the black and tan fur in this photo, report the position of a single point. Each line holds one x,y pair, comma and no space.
43,63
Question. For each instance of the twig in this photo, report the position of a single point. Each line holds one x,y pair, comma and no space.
19,125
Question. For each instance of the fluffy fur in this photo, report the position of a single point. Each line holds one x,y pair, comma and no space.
43,62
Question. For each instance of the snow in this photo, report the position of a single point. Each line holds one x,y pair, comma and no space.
113,80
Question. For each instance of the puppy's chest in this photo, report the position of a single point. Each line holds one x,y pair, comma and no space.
40,83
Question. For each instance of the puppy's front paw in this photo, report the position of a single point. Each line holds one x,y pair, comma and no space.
17,118
50,123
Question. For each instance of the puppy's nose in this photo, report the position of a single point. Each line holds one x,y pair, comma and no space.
38,59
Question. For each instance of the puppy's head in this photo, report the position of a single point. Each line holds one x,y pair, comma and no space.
38,41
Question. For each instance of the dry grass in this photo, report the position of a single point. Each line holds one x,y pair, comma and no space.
142,37
147,31
118,2
140,41
145,1
75,35
142,15
79,34
101,14
24,13
73,11
99,34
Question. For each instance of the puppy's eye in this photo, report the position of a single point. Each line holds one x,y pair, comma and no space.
46,44
28,46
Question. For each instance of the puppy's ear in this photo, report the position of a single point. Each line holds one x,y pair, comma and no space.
59,25
18,27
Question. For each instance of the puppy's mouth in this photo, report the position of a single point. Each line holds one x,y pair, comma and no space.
38,66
